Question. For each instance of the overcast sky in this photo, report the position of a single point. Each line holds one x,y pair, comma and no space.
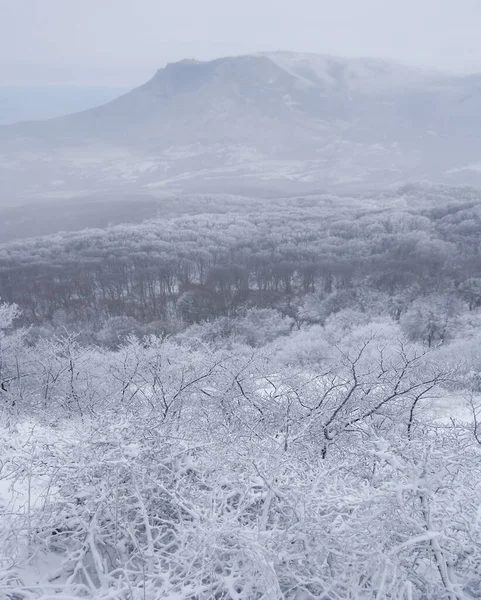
124,41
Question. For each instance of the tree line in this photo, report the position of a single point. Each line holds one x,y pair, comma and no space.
196,268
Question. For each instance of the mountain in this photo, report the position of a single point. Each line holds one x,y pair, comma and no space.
278,121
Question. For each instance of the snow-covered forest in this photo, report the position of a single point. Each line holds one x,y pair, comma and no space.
276,399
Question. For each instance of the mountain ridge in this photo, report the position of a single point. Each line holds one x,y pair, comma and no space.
275,118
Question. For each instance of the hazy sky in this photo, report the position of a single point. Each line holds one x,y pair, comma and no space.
124,41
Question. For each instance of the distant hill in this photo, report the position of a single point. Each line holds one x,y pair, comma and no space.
281,121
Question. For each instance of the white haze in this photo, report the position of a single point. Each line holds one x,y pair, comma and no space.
240,304
125,36
279,122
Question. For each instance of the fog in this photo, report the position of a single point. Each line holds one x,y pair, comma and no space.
240,300
145,34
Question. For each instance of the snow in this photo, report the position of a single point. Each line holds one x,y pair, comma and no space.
360,106
475,167
358,74
448,406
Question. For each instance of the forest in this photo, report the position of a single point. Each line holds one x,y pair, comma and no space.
246,399
305,258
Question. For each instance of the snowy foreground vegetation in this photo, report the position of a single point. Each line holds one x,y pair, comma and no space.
325,446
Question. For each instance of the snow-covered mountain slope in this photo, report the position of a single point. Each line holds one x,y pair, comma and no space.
281,121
